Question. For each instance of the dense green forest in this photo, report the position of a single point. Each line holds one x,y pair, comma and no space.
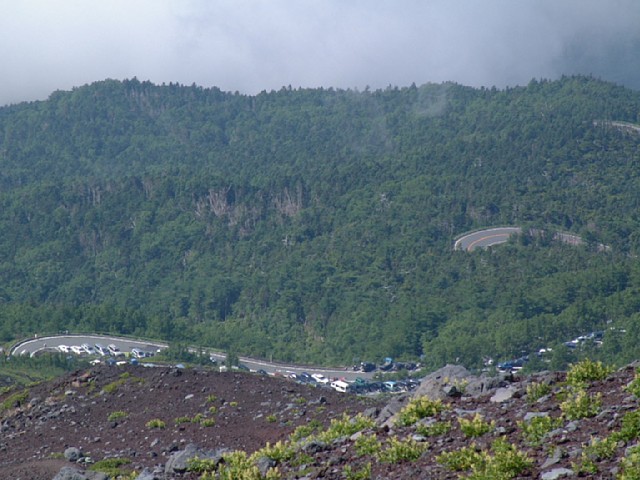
317,225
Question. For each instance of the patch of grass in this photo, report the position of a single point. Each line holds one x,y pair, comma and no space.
271,418
112,467
181,420
211,398
207,422
233,404
117,415
14,400
155,423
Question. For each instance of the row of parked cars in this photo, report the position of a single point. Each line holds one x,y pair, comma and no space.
98,349
387,366
518,363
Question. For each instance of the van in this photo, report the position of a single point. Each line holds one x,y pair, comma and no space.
339,386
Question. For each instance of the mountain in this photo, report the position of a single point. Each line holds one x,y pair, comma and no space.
317,224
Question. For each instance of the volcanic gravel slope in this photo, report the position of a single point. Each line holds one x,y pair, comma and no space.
105,411
251,410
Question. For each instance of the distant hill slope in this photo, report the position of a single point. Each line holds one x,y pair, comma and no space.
316,224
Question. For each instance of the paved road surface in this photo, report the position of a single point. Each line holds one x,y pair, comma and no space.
50,343
485,238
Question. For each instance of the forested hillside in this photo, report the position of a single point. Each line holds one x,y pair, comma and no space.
317,225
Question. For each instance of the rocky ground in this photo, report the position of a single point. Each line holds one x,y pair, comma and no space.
119,413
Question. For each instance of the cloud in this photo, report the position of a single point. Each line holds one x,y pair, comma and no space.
254,45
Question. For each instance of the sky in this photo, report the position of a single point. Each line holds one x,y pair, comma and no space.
255,45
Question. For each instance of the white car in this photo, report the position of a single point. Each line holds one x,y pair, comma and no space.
77,349
318,377
63,348
89,350
102,350
115,351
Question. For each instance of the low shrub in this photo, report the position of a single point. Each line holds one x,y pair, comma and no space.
587,371
117,415
367,445
476,426
434,429
419,408
535,429
536,391
579,404
397,451
155,423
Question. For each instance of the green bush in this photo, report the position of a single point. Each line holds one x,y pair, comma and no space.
596,451
535,429
279,452
155,423
476,426
460,460
419,408
397,451
634,386
345,426
367,445
579,404
112,467
587,371
630,428
363,474
503,462
630,465
207,422
304,431
434,429
535,391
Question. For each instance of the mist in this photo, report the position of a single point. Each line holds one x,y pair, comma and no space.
250,46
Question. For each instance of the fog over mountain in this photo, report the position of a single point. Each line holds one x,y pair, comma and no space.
250,46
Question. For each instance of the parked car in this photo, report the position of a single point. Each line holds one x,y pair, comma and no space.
101,349
88,349
137,353
77,349
340,386
318,377
63,348
115,351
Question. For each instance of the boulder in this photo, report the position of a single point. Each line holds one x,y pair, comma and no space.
73,454
179,461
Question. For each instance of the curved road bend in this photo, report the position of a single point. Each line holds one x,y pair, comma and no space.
49,343
485,238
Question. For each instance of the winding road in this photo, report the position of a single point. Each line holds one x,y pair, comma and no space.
36,345
485,238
